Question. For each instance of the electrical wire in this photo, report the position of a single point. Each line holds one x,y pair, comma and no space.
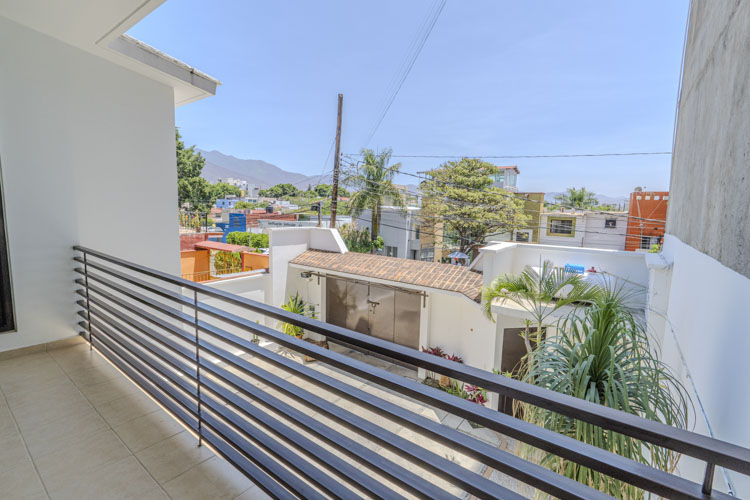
511,157
412,54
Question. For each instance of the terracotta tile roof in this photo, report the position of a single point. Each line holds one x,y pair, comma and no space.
413,272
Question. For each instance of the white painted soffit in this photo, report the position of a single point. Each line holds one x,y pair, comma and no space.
99,26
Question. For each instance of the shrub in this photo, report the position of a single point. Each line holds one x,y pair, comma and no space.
239,238
258,240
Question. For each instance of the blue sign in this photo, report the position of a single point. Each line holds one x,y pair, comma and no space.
572,268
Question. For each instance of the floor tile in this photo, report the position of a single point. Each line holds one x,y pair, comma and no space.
62,432
124,479
126,408
74,462
21,482
173,456
149,429
214,478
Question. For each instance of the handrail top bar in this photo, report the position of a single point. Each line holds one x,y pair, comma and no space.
699,446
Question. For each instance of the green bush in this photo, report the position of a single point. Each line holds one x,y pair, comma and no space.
239,238
259,240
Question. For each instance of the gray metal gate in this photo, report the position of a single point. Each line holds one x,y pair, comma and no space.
383,312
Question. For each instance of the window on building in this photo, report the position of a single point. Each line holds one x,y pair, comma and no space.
561,227
523,236
648,241
7,317
416,232
610,223
391,251
656,197
427,254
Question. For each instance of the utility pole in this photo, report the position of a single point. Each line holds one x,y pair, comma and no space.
335,190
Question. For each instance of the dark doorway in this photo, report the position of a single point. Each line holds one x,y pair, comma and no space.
513,350
7,317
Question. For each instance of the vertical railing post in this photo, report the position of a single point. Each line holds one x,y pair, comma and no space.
708,479
88,303
198,369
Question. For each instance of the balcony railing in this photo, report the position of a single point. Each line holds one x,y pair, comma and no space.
189,346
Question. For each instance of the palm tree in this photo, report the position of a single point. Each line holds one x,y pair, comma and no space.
540,293
578,198
601,354
374,183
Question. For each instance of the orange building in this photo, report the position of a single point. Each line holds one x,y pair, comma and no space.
647,217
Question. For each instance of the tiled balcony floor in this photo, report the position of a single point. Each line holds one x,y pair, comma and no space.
73,427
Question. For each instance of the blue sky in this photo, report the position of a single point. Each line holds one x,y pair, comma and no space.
496,77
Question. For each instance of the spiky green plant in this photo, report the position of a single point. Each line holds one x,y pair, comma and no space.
539,293
602,354
295,305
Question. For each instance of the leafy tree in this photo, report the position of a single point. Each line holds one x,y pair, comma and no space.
279,191
359,240
602,354
222,190
460,195
191,187
374,184
578,198
239,238
245,204
189,163
259,240
324,190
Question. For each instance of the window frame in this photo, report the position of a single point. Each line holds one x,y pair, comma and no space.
607,224
572,220
8,322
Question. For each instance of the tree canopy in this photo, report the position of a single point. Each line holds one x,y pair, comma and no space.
578,198
280,190
461,196
375,188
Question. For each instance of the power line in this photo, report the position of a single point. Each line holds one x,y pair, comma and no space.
510,157
508,195
411,57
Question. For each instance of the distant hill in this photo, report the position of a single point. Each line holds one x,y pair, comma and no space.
257,172
603,199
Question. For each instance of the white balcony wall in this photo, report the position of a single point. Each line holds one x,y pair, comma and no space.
87,156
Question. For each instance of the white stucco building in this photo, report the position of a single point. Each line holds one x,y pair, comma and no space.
584,229
84,107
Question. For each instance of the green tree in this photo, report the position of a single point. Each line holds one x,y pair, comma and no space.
374,186
359,240
244,204
222,190
259,240
324,190
460,195
191,187
239,238
578,198
602,354
280,191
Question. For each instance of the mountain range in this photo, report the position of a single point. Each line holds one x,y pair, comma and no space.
256,172
264,175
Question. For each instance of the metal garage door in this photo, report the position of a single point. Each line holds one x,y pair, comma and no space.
383,312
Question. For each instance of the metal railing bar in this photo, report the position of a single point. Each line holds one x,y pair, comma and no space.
604,461
262,460
310,471
167,342
302,444
689,443
178,332
146,385
508,463
143,299
342,443
139,340
160,380
249,469
647,477
444,468
153,288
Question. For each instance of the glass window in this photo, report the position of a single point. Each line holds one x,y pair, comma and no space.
523,236
391,251
427,254
610,223
561,226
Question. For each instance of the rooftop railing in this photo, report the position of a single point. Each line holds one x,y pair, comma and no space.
191,348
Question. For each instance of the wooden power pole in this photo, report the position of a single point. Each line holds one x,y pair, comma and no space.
335,190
